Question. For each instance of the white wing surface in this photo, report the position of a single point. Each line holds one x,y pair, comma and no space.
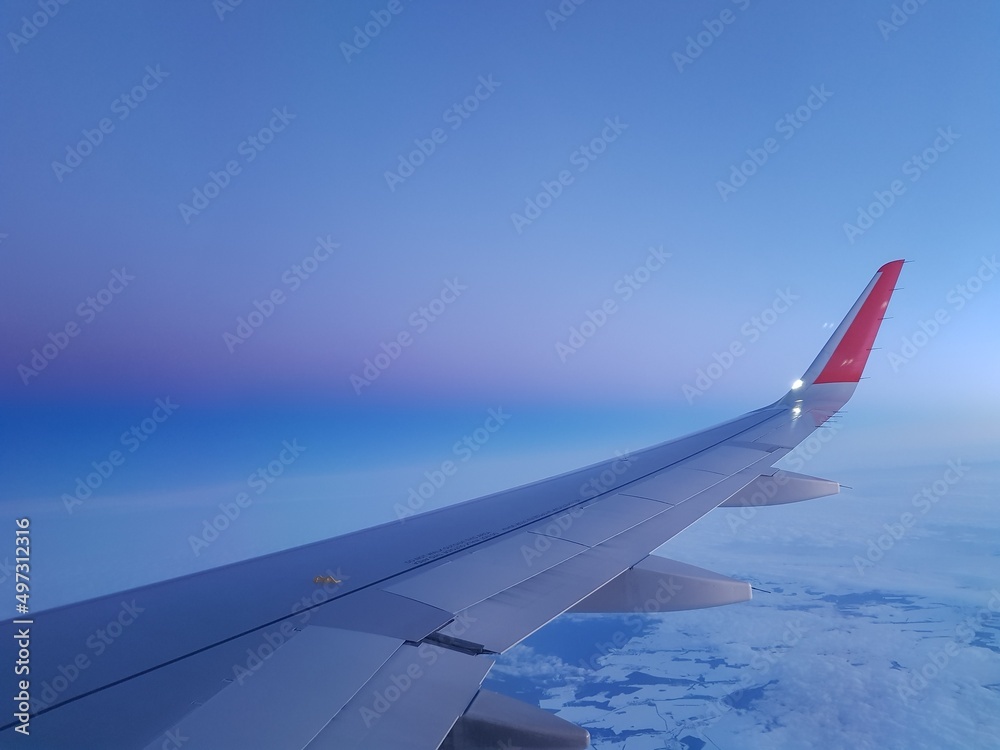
381,639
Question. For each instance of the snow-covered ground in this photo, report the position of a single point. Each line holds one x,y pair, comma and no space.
880,629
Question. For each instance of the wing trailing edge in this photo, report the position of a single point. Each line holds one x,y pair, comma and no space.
495,721
658,584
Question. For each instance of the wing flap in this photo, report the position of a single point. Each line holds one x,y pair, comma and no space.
657,584
471,577
780,487
496,722
598,521
726,459
157,701
510,616
410,704
673,487
381,612
291,696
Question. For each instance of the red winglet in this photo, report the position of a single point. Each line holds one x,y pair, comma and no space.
848,360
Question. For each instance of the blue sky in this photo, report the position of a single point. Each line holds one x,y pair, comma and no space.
129,273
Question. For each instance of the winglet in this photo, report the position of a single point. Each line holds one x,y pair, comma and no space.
843,358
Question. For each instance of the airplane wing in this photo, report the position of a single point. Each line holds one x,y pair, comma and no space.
381,639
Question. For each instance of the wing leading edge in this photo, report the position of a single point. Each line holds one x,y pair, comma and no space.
388,649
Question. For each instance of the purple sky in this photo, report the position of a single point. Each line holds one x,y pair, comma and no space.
480,185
